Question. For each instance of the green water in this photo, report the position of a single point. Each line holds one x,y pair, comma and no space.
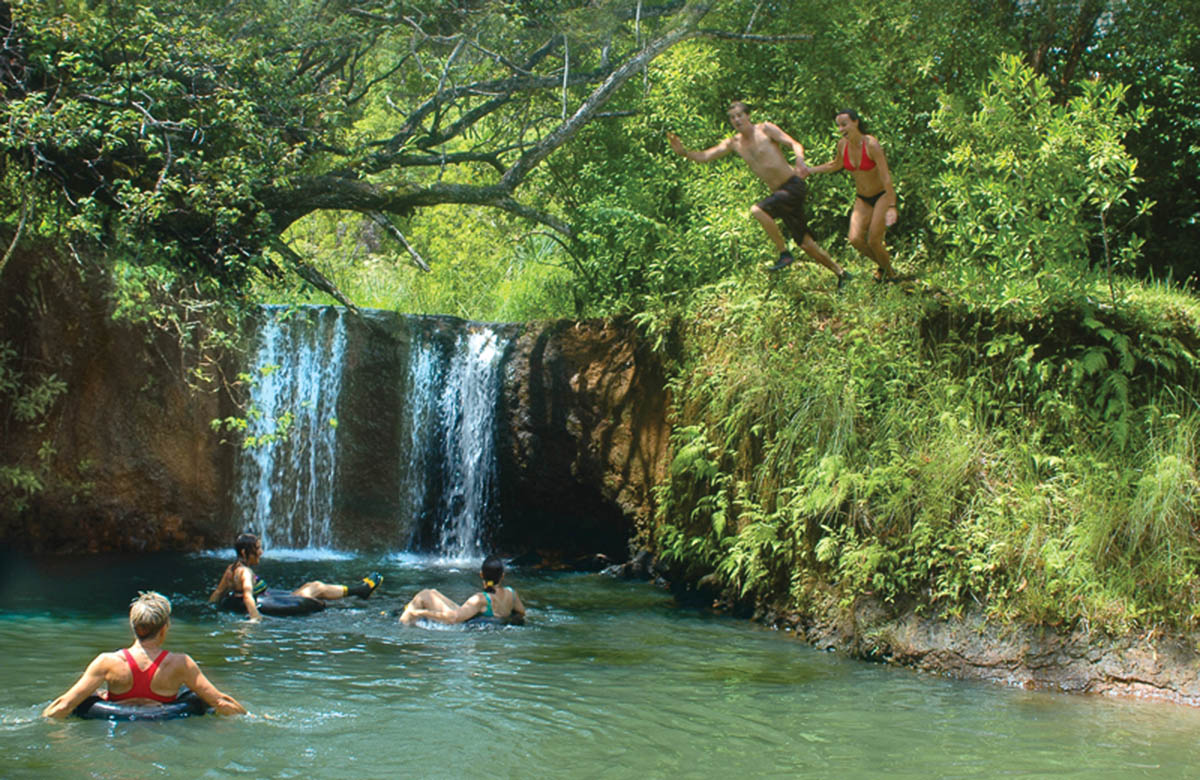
609,680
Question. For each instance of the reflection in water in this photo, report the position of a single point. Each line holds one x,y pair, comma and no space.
608,680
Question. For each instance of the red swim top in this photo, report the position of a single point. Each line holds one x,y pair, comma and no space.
865,164
141,681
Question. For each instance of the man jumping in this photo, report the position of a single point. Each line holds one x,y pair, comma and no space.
759,145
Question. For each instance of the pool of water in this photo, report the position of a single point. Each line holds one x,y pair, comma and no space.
609,680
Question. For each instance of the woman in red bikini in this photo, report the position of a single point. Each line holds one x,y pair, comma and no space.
144,673
874,208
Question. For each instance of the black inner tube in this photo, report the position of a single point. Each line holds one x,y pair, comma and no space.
95,708
480,621
274,602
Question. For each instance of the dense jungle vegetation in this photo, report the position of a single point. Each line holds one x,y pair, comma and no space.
1012,430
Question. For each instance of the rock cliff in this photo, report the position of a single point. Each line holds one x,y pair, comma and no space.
130,461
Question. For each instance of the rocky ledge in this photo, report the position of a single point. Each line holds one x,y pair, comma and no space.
1149,666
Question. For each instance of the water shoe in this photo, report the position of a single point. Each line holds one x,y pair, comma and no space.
368,585
785,259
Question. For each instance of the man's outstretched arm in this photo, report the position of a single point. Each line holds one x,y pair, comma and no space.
712,153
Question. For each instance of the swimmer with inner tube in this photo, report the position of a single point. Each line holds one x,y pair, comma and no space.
495,601
241,588
144,675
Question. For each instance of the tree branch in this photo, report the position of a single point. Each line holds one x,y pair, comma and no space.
567,130
311,275
725,35
394,232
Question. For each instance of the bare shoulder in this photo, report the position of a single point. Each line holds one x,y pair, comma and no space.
180,667
181,660
108,665
772,131
114,658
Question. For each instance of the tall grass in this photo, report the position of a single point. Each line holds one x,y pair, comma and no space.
884,443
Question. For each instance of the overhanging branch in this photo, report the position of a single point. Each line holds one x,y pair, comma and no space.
311,275
394,232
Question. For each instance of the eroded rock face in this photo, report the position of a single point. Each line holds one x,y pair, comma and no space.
1037,657
127,457
136,465
584,438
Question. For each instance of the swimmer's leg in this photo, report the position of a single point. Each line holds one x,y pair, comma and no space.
821,257
431,601
366,586
320,590
770,226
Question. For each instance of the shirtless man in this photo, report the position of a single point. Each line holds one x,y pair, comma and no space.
144,673
759,145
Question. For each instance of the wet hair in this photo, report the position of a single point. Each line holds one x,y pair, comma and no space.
244,545
492,571
148,613
738,104
854,117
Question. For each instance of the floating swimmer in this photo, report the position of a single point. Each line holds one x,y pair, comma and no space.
240,589
143,677
495,602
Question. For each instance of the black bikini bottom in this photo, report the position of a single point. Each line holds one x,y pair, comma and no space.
870,199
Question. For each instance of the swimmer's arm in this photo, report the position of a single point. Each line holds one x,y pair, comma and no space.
248,594
518,608
221,589
875,152
470,608
223,703
713,153
85,686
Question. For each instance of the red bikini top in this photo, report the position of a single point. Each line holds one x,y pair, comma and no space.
865,164
141,681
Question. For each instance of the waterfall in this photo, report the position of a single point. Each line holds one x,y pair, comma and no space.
451,475
287,470
354,431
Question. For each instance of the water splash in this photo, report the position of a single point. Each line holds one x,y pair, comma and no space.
452,459
439,447
287,474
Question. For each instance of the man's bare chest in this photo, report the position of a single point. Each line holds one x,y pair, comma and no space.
757,149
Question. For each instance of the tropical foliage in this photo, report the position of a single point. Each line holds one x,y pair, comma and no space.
1013,430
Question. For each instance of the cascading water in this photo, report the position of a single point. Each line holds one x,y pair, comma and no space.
429,449
452,464
286,476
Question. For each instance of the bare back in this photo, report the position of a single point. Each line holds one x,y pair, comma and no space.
505,601
171,673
